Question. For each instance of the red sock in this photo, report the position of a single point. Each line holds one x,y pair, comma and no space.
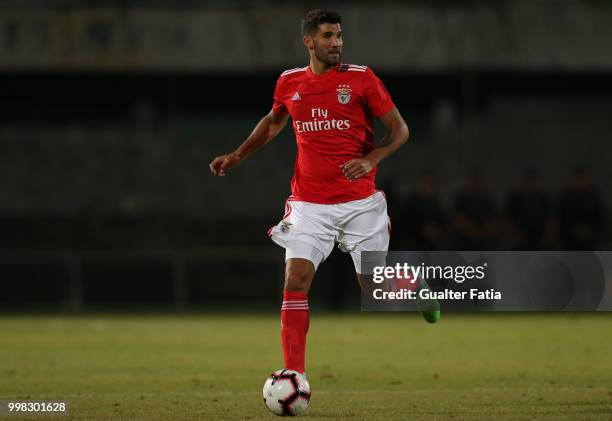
294,326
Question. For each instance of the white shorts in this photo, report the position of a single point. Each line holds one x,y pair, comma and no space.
309,230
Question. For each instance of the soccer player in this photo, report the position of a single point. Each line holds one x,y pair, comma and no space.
332,105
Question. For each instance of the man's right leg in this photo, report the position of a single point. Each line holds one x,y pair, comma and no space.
306,234
295,313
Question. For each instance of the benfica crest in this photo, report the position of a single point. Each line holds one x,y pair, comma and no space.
344,94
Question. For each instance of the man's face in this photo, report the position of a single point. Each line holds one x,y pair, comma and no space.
326,43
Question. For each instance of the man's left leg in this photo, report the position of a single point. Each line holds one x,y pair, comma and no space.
366,284
368,229
365,227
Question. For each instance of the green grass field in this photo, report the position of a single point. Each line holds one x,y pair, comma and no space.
361,367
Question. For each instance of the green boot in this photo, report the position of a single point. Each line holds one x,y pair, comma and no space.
429,308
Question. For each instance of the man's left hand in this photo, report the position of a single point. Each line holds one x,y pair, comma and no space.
357,168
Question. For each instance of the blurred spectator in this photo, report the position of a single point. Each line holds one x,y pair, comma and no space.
420,223
581,214
474,219
528,212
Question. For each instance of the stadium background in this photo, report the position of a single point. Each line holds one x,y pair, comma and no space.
110,113
134,285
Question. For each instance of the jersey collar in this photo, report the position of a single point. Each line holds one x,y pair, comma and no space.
323,76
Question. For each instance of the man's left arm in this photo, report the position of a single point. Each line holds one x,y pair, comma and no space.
397,135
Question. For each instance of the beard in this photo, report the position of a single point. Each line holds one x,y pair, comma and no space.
324,57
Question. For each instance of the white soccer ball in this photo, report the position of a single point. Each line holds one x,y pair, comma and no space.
286,393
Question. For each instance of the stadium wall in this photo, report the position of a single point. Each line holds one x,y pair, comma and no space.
82,170
416,36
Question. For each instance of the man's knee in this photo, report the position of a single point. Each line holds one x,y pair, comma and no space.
298,275
365,281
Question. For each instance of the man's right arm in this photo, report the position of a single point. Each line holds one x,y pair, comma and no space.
266,130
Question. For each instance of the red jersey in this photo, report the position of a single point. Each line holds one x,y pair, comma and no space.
333,123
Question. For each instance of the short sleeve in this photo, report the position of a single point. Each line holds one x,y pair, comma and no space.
375,94
278,106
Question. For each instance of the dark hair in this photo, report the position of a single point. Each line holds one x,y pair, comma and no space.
314,18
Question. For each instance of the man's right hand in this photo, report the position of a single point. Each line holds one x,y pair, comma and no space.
223,163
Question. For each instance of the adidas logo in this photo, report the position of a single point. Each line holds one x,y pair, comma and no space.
296,97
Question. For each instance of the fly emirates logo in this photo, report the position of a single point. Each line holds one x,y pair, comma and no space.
321,122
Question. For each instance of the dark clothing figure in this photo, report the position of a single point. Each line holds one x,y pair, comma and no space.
474,220
422,221
581,214
528,212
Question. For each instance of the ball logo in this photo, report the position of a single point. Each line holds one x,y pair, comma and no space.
344,94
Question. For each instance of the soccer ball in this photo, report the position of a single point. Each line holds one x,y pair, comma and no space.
286,393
